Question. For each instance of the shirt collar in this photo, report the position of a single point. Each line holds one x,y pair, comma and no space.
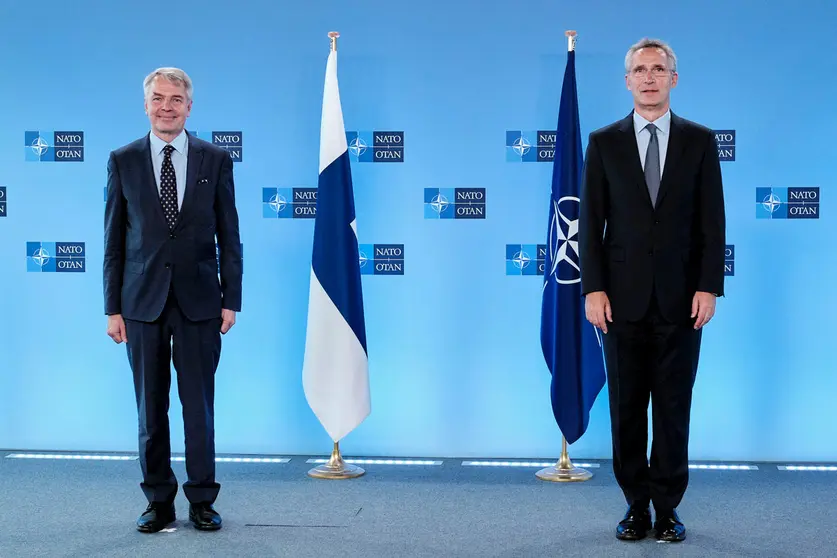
179,143
663,123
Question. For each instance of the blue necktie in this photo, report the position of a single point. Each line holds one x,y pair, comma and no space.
652,165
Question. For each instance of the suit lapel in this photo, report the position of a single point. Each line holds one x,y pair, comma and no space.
674,153
193,167
148,177
631,157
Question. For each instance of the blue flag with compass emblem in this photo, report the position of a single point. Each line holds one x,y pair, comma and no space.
571,345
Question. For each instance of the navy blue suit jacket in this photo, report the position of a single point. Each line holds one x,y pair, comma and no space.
630,248
143,259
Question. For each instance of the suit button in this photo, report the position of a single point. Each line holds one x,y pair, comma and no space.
172,235
656,222
650,253
168,265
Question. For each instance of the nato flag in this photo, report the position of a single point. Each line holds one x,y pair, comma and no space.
571,346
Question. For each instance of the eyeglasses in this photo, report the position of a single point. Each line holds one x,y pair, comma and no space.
657,71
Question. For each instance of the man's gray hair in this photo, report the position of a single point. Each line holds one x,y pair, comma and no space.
174,75
651,43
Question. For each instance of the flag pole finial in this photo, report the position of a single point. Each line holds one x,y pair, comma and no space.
332,35
571,35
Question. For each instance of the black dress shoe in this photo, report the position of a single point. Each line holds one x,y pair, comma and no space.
669,527
155,517
635,525
204,517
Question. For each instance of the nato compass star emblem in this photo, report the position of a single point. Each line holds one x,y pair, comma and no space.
521,146
39,146
771,203
277,202
521,260
563,241
40,257
358,147
439,203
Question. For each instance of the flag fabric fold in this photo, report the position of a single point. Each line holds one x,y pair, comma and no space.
335,370
570,344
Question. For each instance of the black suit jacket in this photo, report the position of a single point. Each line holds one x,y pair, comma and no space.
629,248
143,259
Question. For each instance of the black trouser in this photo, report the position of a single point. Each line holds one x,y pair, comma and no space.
657,359
195,348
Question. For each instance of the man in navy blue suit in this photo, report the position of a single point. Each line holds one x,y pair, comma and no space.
169,196
652,232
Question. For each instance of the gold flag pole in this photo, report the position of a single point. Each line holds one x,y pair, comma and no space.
564,470
335,468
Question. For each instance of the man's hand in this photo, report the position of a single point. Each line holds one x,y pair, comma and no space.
227,320
116,328
703,307
597,308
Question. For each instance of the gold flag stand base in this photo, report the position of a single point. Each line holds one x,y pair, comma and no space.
336,468
564,470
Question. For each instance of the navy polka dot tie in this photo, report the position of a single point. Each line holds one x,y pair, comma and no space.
168,188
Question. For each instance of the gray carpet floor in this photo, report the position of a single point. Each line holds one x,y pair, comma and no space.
71,508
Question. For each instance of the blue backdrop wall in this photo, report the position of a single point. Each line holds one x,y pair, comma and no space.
455,362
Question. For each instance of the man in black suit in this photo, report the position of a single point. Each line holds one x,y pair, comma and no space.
652,238
169,194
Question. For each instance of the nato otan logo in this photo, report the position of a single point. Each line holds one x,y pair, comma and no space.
788,203
381,259
725,140
218,257
376,147
530,146
289,203
525,259
454,203
62,147
232,142
55,257
729,260
3,201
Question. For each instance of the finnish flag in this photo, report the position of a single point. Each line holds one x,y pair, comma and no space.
335,370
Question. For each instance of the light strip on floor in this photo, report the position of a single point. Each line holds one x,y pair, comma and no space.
381,461
241,459
722,467
84,457
522,464
827,468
